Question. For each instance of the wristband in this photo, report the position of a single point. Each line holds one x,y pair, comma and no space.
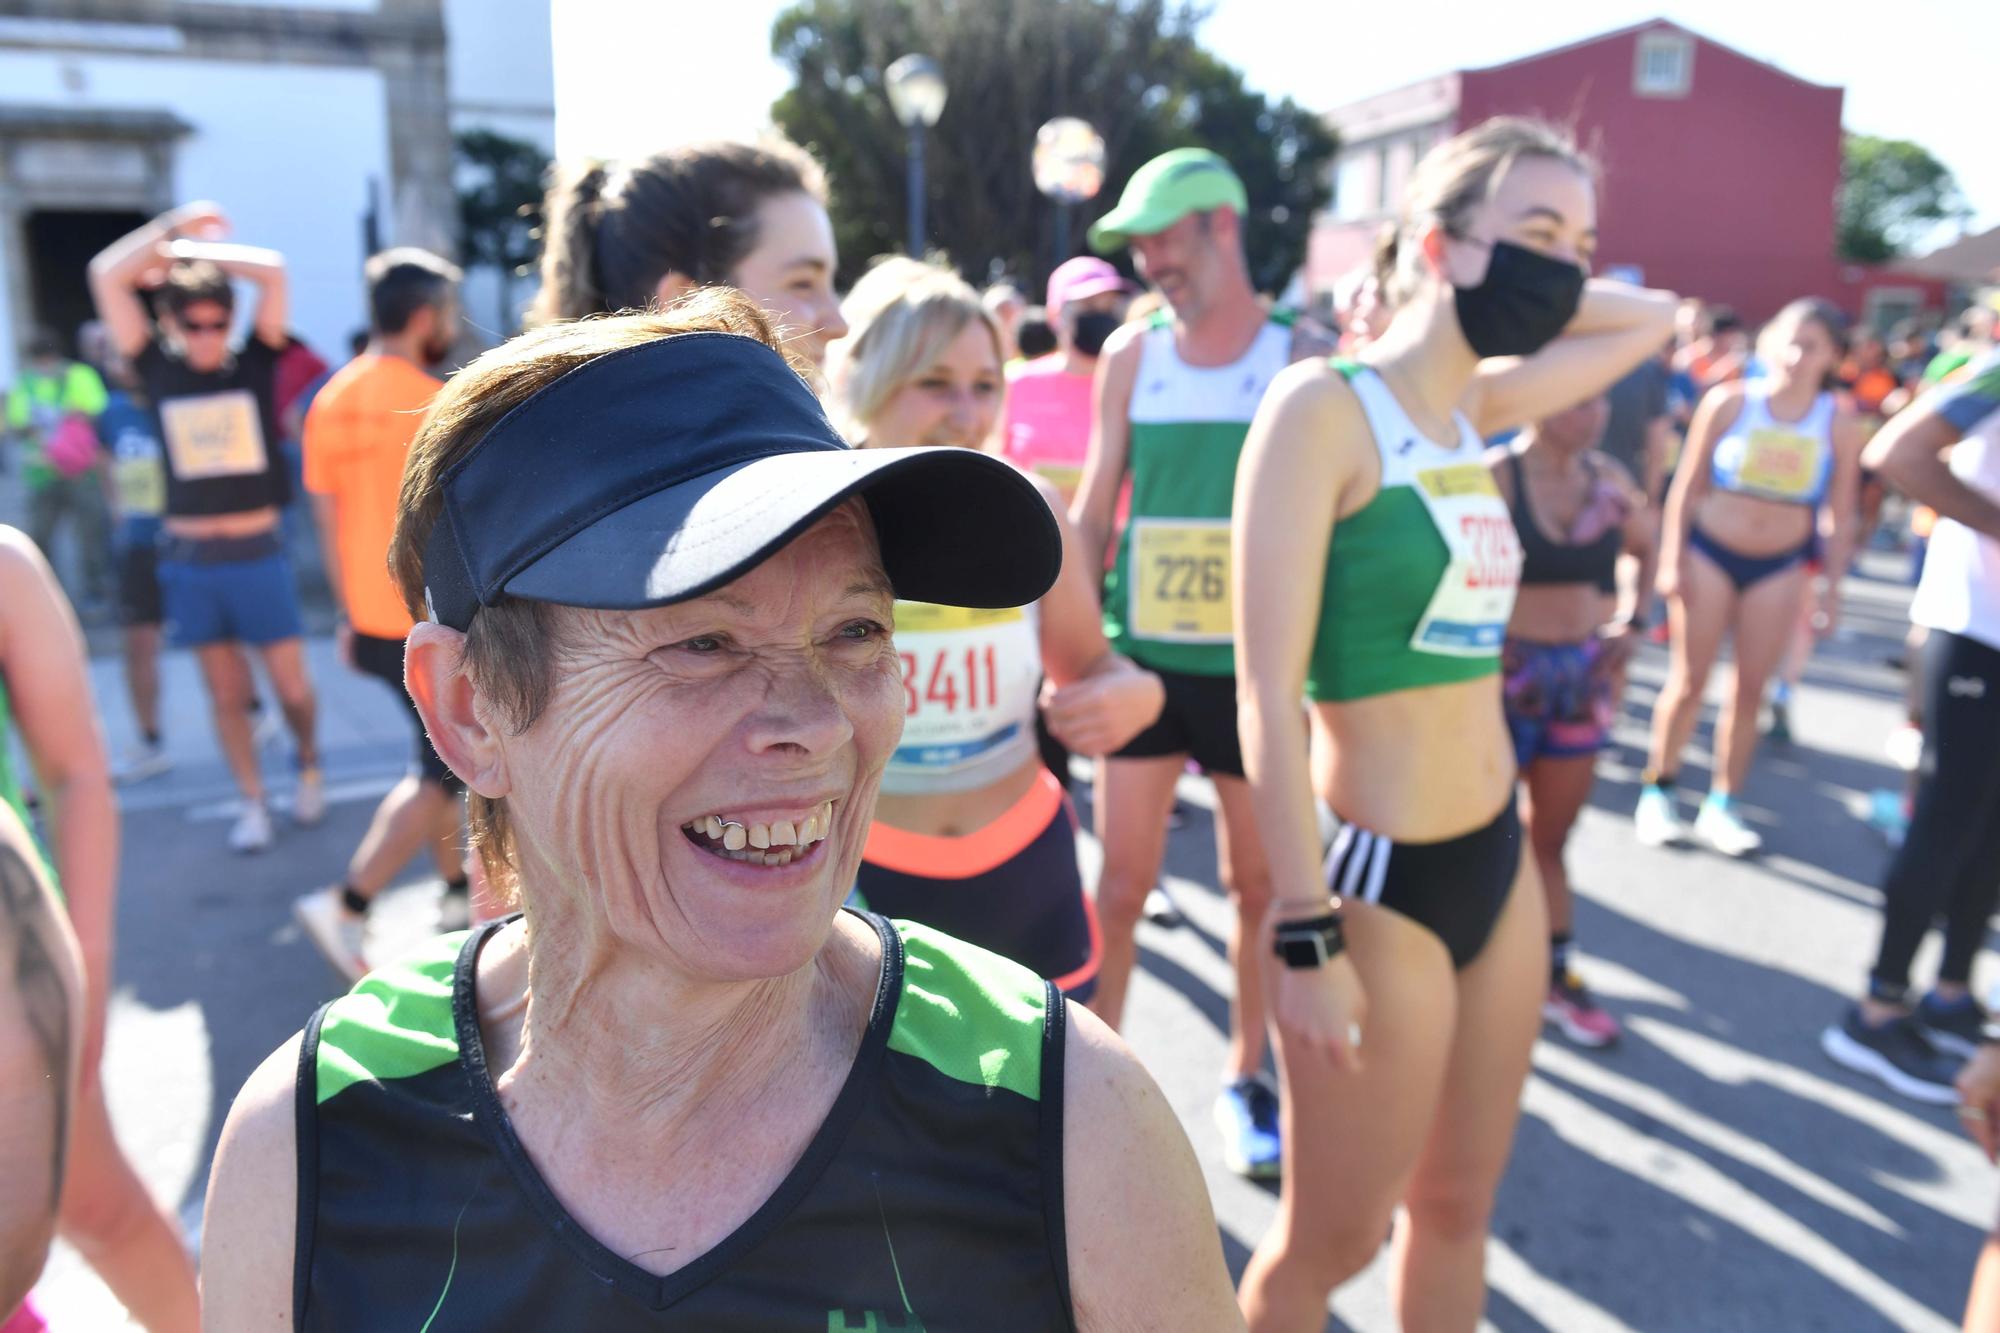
1311,943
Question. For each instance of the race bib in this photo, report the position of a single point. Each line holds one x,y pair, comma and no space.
1467,615
1180,580
1779,462
214,435
141,485
970,680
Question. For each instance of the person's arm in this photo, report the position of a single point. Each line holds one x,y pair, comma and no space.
250,1222
1715,414
1635,572
1843,509
137,260
1096,700
41,1024
1299,459
263,268
1143,1248
1910,450
1616,327
48,675
1095,508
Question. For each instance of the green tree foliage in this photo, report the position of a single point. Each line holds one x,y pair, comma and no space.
1132,68
500,204
1891,193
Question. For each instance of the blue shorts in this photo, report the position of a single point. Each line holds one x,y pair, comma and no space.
228,590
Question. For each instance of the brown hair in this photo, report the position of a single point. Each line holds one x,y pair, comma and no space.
611,231
1459,175
512,648
192,282
1806,310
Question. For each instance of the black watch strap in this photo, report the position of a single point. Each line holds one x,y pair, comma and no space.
1311,942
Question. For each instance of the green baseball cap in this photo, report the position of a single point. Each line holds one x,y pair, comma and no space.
1165,190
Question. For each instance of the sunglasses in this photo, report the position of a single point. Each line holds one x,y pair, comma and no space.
189,326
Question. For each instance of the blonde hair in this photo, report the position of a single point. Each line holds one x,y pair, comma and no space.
511,648
1458,176
901,317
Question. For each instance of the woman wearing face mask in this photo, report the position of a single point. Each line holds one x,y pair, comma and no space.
1770,464
1374,568
1045,426
627,235
972,834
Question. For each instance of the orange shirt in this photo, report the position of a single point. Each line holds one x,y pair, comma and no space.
357,435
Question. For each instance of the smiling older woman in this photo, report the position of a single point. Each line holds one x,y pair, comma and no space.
684,1089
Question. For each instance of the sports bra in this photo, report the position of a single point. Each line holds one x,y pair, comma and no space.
1421,580
1546,562
971,684
1790,462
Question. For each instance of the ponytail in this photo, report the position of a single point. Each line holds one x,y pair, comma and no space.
569,246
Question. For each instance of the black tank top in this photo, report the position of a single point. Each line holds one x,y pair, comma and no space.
1544,561
931,1196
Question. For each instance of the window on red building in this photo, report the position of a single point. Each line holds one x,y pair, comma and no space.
1664,66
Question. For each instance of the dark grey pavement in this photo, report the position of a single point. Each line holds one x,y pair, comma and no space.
1715,1172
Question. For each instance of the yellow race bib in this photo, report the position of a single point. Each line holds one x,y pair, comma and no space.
1779,462
1179,580
141,485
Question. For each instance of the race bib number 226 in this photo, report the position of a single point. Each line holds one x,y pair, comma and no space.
1180,580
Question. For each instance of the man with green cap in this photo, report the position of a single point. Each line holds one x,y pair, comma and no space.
1175,396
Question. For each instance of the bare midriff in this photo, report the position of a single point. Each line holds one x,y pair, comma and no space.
246,523
959,813
1558,612
1418,765
1752,526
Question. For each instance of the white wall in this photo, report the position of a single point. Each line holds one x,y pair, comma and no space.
287,150
499,54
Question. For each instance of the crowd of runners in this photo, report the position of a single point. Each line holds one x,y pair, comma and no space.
1378,583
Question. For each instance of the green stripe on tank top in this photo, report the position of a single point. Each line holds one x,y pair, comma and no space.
396,1023
973,1016
10,790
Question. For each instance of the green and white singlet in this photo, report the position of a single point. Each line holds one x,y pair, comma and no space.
1166,597
931,1197
1420,581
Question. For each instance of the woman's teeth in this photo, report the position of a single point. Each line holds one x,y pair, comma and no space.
777,843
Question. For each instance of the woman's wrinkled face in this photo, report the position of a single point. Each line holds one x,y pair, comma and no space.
954,400
1539,203
790,272
704,775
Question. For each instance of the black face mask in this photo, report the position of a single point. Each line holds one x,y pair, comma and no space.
1525,302
1093,328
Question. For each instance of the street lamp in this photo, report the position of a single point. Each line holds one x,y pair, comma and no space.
1069,168
916,94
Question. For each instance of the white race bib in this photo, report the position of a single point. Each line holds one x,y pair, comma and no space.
970,680
214,435
1467,615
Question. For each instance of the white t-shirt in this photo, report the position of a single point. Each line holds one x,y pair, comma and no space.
1960,590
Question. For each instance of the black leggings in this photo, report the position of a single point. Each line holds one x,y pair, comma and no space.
1950,860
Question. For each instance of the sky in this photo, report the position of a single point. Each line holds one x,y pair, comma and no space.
628,79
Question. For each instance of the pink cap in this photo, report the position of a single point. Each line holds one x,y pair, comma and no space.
1082,277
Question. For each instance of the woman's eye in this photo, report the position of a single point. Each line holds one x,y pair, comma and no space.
701,644
861,631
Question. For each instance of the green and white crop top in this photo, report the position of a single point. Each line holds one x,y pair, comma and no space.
1421,580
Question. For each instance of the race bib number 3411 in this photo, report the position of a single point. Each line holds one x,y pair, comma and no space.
1180,580
1467,615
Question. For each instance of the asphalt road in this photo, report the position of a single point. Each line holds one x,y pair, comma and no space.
1712,1173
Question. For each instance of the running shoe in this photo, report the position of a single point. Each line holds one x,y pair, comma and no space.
1779,731
1655,822
142,761
1720,827
1896,1052
1906,747
1161,909
266,727
309,801
336,932
1953,1027
1247,1115
1573,1011
1888,814
252,829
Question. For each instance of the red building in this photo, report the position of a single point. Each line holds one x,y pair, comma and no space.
1719,172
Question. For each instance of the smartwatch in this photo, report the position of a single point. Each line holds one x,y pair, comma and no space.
1309,943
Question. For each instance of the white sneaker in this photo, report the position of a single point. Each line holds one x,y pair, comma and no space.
1655,822
1717,825
309,801
252,830
142,761
1161,909
1906,747
267,727
337,933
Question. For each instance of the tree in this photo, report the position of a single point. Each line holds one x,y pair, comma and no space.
500,205
1132,68
1891,193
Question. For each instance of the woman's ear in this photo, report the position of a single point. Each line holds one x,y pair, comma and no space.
448,700
1431,244
672,288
